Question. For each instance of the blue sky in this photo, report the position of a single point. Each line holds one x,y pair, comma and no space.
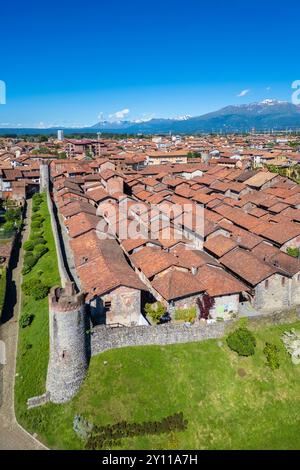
65,63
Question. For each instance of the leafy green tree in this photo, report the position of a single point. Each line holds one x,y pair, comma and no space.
155,311
242,341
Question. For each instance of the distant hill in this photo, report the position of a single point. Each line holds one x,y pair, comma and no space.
268,114
263,116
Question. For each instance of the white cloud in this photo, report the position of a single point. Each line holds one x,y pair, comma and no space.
243,93
120,114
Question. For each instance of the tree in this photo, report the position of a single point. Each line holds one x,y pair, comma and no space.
242,341
155,311
205,304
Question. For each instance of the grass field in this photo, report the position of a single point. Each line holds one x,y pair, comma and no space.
229,402
33,349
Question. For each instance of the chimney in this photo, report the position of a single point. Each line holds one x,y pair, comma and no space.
194,270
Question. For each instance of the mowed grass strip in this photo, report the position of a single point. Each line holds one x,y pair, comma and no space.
33,345
230,402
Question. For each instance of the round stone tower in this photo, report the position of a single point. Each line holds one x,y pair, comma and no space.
69,343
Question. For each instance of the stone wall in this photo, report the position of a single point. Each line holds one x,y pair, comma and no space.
125,307
34,402
104,338
69,344
64,277
280,293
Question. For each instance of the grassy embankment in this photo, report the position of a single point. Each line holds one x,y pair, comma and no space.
33,347
230,402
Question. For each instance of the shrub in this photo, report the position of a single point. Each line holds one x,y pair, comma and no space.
29,259
37,217
242,341
40,241
37,197
29,285
40,250
40,292
271,351
9,226
293,251
36,224
186,314
155,311
26,269
36,234
26,320
28,245
35,288
12,214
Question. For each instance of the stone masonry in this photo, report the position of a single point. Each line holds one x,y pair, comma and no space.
69,344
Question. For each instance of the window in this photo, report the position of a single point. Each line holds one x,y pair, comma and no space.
266,283
283,281
298,277
107,306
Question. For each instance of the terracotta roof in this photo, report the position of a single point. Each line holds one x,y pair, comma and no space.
281,232
277,258
177,284
76,207
81,223
260,178
106,269
219,245
217,282
152,261
247,266
97,194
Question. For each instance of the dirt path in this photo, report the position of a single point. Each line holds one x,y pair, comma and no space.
12,435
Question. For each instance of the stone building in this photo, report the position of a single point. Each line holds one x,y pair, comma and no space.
69,343
269,284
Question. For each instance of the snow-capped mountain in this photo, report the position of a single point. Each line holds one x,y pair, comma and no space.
264,115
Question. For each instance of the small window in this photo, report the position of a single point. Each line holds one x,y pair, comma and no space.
283,281
298,277
107,306
267,283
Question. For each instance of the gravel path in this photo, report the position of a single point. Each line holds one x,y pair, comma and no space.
12,435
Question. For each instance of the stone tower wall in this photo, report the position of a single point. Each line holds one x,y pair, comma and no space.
69,344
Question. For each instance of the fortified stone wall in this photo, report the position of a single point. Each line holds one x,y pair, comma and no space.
104,338
60,261
69,344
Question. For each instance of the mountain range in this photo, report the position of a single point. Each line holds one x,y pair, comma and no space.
262,116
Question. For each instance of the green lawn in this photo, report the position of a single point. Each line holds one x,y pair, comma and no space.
225,409
33,349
